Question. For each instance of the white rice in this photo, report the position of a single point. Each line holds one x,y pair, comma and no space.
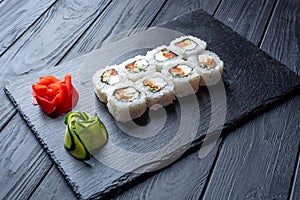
209,76
163,97
126,110
183,85
102,89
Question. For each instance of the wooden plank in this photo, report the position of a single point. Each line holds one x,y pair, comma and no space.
138,6
145,187
7,111
295,190
286,17
140,17
167,184
23,162
175,8
53,186
258,160
211,31
106,25
155,186
248,18
282,40
185,179
47,41
120,16
50,38
16,17
41,46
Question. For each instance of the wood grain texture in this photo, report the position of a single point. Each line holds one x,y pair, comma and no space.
248,18
53,186
259,159
287,17
175,8
134,14
90,41
241,21
132,9
23,162
295,190
185,179
282,39
47,40
211,31
16,17
41,46
256,161
120,16
7,111
149,189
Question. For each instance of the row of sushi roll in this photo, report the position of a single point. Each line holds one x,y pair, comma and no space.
155,79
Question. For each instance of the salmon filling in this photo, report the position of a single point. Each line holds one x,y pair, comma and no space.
206,61
137,66
180,71
187,44
155,84
110,77
126,94
165,54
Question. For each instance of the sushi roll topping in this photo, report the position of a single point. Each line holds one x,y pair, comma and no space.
187,44
110,77
126,94
155,84
137,66
165,54
206,61
180,70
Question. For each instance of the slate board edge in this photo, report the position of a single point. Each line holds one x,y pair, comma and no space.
41,141
126,182
107,192
268,105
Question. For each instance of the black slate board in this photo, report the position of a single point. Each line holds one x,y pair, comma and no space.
254,82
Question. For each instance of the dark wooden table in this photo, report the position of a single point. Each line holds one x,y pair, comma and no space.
259,160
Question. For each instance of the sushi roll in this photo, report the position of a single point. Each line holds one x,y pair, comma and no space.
209,67
105,80
188,46
161,56
159,89
184,77
137,67
126,102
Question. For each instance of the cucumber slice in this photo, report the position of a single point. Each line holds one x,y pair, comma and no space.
83,134
69,116
68,140
80,152
79,127
95,136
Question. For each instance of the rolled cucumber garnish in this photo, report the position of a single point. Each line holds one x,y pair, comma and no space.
84,134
